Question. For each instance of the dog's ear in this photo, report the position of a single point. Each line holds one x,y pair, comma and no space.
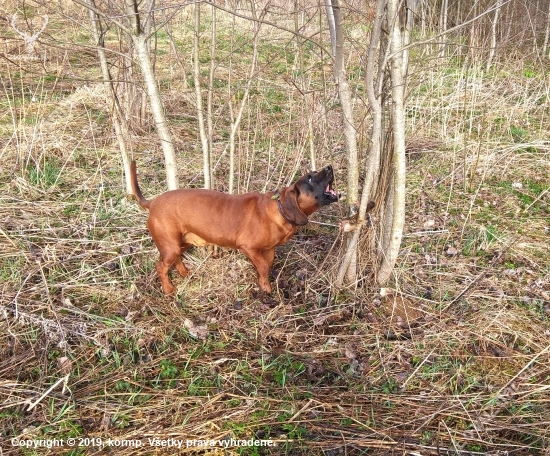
289,205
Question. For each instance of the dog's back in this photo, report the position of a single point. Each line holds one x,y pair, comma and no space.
214,217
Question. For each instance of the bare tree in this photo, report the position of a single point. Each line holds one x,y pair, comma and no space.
384,173
350,134
393,219
134,29
209,121
493,35
117,116
443,18
331,25
546,34
344,94
139,39
149,17
200,114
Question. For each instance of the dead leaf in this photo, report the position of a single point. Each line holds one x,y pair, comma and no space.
350,351
130,315
428,224
64,364
430,259
331,317
332,341
320,319
198,331
451,251
301,274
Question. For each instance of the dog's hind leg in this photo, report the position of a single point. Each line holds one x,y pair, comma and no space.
178,263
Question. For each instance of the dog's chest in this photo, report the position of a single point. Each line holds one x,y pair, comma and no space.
285,235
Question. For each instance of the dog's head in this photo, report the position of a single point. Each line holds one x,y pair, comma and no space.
309,193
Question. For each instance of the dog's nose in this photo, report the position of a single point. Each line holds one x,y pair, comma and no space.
328,169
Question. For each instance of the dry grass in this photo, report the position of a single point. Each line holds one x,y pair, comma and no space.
453,359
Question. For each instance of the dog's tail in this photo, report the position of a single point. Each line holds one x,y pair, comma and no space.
135,187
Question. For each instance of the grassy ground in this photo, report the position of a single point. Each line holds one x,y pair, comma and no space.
454,358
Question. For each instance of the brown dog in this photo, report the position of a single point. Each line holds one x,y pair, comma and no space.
254,223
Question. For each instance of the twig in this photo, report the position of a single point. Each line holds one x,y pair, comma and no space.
536,199
49,390
324,224
420,233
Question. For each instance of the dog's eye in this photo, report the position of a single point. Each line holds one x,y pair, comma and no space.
309,179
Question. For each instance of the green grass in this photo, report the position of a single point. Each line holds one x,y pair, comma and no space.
44,174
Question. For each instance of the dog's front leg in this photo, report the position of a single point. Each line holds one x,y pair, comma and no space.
269,256
262,264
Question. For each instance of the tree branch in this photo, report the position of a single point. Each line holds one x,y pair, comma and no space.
100,13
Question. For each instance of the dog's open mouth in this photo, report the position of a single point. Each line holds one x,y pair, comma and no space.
329,191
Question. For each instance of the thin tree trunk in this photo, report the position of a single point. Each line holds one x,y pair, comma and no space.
533,26
546,34
511,16
324,102
331,25
150,7
139,40
344,95
308,108
493,36
198,92
386,218
209,121
422,9
312,158
129,78
407,26
374,96
443,22
397,203
119,124
473,41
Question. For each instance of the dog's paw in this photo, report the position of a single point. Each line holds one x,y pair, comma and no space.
265,285
168,289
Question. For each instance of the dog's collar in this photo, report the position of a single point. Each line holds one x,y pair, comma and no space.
277,197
